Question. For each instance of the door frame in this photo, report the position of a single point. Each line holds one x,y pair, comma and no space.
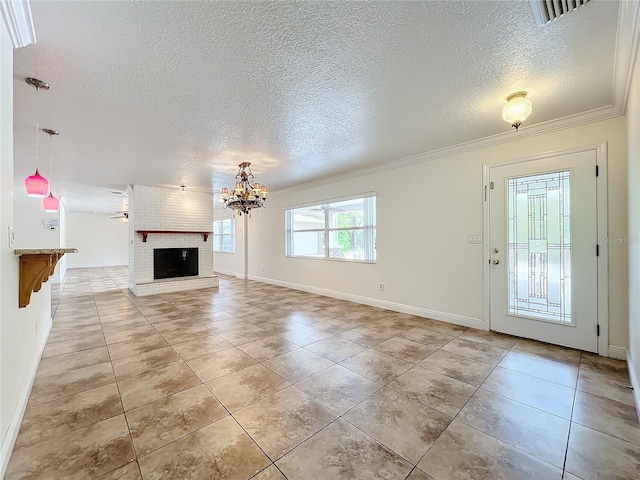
601,151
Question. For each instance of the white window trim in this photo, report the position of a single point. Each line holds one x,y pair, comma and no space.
370,242
232,234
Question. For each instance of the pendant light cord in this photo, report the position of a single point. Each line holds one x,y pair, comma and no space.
37,130
51,155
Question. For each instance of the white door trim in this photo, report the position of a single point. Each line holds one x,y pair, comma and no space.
602,222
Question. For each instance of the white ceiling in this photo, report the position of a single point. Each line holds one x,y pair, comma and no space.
164,93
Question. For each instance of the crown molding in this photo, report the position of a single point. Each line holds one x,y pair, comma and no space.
19,22
626,51
590,116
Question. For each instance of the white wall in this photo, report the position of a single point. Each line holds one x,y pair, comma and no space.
30,230
231,263
23,331
101,241
423,256
633,135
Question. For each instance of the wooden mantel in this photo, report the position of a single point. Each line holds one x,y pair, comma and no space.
36,266
145,233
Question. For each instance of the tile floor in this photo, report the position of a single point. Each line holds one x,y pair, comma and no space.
256,381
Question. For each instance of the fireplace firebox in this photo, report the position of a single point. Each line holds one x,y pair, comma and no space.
175,262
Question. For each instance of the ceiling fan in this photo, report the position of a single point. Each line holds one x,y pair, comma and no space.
123,215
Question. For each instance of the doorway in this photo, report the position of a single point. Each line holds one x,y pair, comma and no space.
543,249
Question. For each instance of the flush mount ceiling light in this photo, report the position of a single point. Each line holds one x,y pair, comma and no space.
244,196
517,109
36,185
51,204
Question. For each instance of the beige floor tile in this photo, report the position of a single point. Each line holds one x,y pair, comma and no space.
336,348
203,346
131,471
52,387
156,384
221,451
74,334
540,367
52,419
243,335
405,426
429,337
490,338
405,349
442,393
538,433
608,416
85,453
605,377
418,474
143,362
442,327
458,367
476,351
70,346
267,348
368,336
220,363
129,334
161,422
221,325
565,355
377,366
186,334
593,455
270,473
547,396
71,361
297,364
338,388
246,386
134,347
303,335
462,452
283,420
342,452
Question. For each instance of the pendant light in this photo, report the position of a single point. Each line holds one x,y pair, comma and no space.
51,204
36,185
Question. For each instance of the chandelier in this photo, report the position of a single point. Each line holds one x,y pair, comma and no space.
245,196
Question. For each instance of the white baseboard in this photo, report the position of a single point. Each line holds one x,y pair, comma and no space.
619,353
374,302
18,414
635,383
230,273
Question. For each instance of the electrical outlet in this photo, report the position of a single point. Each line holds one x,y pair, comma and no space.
381,286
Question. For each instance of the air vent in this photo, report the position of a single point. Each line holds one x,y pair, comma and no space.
546,11
115,193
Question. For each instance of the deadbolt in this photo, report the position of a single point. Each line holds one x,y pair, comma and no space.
495,250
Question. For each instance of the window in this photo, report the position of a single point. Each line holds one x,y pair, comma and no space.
223,236
343,230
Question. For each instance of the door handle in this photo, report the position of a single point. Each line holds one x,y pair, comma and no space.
495,261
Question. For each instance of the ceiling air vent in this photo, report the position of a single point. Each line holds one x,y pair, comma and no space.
546,11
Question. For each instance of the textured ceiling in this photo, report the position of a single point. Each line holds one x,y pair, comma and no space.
164,93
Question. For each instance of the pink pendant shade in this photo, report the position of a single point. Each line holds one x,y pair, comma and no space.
36,185
51,204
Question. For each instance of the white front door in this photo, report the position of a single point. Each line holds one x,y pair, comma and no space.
543,238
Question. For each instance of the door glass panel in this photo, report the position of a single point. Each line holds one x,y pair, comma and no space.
539,243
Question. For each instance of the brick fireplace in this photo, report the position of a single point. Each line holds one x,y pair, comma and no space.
171,220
